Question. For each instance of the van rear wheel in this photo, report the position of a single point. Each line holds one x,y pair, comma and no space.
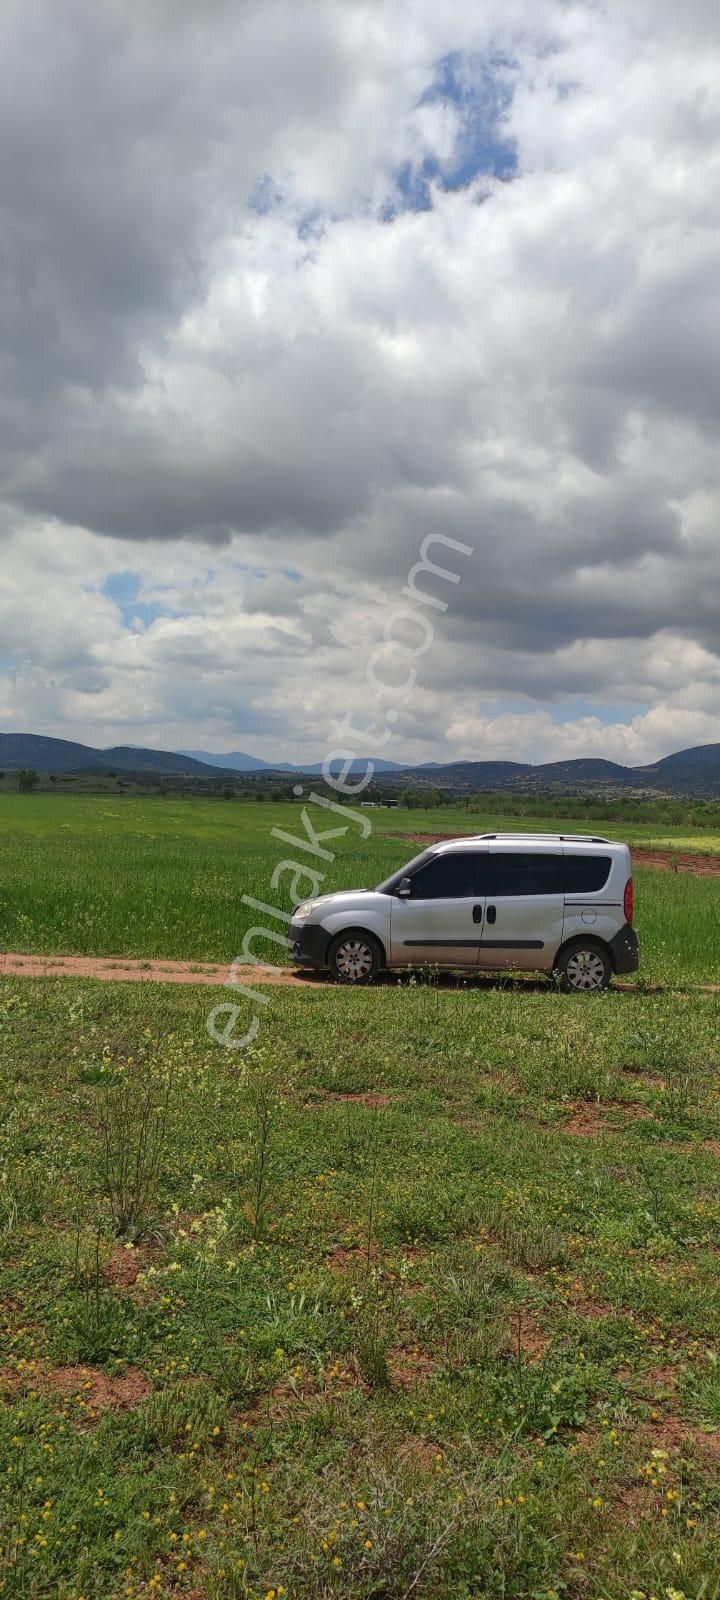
354,957
584,966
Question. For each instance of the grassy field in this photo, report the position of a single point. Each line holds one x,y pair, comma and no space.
160,877
419,1299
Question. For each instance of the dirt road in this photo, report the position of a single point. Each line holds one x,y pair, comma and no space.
118,969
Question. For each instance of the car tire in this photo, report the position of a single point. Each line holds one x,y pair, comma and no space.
354,957
584,967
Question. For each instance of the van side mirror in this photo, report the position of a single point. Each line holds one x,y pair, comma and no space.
404,888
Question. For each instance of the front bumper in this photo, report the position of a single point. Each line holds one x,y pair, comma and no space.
307,944
625,950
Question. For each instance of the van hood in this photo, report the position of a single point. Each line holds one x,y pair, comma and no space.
321,899
318,898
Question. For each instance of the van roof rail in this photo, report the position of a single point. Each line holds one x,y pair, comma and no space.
563,838
584,838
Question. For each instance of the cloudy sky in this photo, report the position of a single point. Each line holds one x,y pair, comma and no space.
287,285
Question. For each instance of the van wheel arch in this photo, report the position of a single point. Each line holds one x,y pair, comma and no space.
592,939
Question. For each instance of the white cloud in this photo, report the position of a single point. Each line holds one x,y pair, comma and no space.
241,367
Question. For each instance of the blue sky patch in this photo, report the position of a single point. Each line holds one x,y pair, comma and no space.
479,89
122,588
607,711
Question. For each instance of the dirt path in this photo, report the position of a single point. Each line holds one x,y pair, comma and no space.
691,861
699,866
117,969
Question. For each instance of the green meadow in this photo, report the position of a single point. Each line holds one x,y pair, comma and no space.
415,1299
418,1298
158,877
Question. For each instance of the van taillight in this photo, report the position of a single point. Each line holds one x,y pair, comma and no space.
629,900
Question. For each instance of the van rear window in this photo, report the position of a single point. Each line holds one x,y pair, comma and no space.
525,873
585,874
522,873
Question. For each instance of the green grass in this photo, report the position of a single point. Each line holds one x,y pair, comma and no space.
429,1342
154,877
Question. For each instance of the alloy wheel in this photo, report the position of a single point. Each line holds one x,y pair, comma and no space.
585,970
354,960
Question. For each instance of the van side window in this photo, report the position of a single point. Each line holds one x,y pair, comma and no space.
585,874
521,872
448,877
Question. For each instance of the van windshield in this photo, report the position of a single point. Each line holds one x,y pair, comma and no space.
390,884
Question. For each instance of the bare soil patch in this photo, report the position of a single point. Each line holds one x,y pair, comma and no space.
97,1391
635,1503
692,862
662,1378
358,1098
649,1080
343,1259
595,1310
529,1338
124,1266
408,1367
590,1118
587,1121
419,1452
671,1433
629,1109
287,1398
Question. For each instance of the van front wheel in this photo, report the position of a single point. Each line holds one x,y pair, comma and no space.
583,966
354,957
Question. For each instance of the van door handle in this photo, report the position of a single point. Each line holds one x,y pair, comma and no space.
477,913
491,914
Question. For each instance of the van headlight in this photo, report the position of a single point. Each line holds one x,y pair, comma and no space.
303,910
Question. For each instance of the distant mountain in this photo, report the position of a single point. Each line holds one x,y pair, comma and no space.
587,769
130,758
46,755
702,758
234,760
240,762
357,766
694,772
63,755
491,771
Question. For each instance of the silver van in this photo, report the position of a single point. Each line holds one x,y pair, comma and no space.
554,903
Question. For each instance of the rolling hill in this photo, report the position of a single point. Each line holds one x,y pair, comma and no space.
689,773
63,755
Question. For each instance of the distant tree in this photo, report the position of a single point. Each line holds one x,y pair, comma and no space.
162,787
228,793
27,780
